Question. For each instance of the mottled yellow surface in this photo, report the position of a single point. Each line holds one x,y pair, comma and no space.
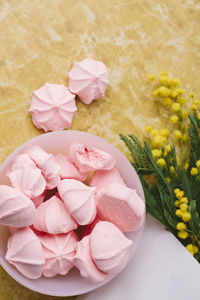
40,40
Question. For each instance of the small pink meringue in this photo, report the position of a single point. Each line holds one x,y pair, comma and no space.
53,217
88,79
88,158
38,200
25,253
103,179
122,206
16,209
59,251
46,162
68,169
26,177
79,200
52,107
84,262
109,247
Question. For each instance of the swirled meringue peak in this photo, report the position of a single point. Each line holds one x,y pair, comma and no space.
69,169
79,200
53,217
46,162
88,158
59,251
103,179
16,209
88,79
84,262
25,253
109,247
122,206
52,107
26,177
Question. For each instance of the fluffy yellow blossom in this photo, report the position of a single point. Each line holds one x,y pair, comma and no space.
172,170
174,119
194,171
179,213
158,140
163,91
194,107
165,132
174,94
186,216
151,77
184,200
154,132
196,102
183,235
191,95
181,100
148,128
168,179
184,114
167,101
184,137
168,148
183,207
176,107
156,152
177,203
198,116
175,82
179,91
178,134
181,226
186,165
164,73
161,162
198,163
176,191
192,249
179,194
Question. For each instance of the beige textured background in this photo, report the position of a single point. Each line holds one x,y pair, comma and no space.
40,40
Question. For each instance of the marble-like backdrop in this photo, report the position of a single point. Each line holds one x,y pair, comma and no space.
40,40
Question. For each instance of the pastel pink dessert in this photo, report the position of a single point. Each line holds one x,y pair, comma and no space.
16,209
26,177
102,180
88,158
122,206
46,162
87,229
84,262
110,249
88,79
52,107
38,200
79,200
69,169
59,251
25,253
53,217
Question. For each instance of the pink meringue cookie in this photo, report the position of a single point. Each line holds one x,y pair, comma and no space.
103,179
79,200
87,229
88,158
53,217
26,177
88,79
122,206
110,249
38,200
25,253
68,169
46,162
16,209
59,251
84,262
52,107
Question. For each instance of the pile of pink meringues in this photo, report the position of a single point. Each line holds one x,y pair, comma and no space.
68,210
